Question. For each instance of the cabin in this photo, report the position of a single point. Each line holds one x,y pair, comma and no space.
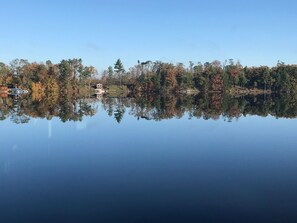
99,89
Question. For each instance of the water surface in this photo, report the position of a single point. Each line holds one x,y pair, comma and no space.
178,168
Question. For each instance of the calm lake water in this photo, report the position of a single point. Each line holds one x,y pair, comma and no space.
179,169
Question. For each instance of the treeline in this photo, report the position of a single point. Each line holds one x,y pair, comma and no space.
47,79
208,77
71,76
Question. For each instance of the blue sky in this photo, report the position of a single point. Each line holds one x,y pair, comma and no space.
256,32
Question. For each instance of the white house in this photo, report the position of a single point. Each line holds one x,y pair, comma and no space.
99,89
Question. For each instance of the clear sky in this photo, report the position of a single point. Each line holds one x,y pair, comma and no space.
256,32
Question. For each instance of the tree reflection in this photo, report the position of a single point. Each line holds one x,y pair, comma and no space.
206,106
21,109
151,107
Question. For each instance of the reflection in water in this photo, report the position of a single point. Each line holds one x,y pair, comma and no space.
21,109
206,106
178,170
151,107
49,129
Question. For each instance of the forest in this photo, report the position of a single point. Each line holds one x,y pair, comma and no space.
72,77
153,90
48,80
227,77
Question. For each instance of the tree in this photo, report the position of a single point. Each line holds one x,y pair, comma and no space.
88,72
191,64
17,65
217,83
266,76
242,80
198,78
233,70
4,70
119,69
170,79
65,69
76,68
110,76
110,72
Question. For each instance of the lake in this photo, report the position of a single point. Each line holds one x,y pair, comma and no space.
203,159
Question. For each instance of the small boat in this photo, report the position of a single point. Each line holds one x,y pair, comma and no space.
17,91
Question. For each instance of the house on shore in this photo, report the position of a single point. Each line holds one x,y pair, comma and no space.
99,89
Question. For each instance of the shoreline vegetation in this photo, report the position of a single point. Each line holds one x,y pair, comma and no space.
229,77
151,90
71,77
